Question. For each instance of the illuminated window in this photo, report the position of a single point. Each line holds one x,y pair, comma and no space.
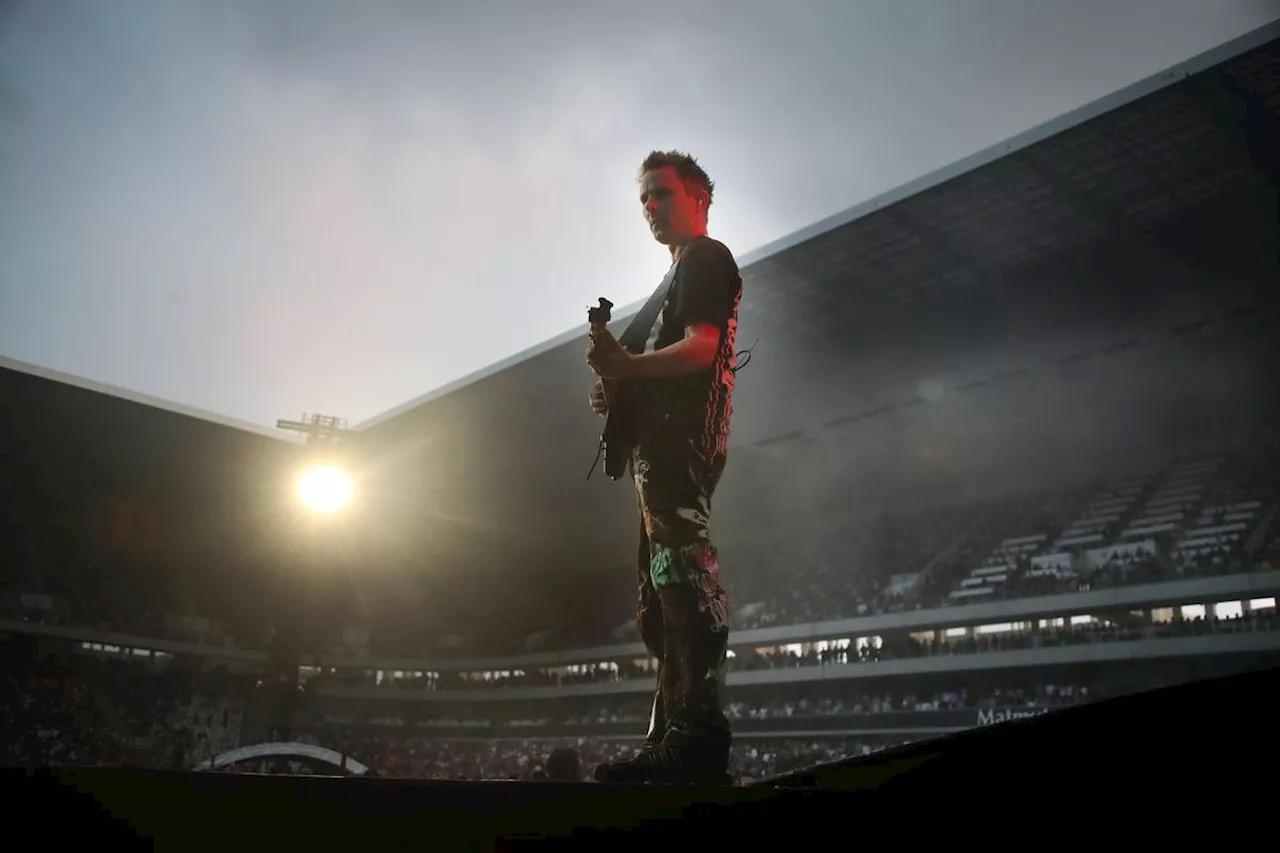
1228,610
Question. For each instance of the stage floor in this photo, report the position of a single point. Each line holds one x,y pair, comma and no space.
187,808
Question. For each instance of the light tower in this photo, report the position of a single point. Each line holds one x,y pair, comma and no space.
319,429
324,485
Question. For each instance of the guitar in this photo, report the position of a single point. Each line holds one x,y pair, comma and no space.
617,440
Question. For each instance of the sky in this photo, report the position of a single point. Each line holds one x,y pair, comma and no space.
264,208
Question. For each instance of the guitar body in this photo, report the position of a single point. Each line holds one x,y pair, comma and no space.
618,439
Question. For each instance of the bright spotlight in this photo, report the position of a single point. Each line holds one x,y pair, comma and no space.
324,489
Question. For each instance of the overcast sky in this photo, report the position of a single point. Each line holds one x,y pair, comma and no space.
264,208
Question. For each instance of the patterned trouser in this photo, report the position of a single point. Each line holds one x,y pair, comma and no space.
683,613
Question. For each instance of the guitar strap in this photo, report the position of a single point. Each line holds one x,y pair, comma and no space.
637,333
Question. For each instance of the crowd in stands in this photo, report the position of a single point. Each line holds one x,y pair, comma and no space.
846,571
634,709
523,759
93,710
1196,518
87,710
903,647
96,708
74,716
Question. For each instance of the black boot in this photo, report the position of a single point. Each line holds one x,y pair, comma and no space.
678,760
692,759
633,770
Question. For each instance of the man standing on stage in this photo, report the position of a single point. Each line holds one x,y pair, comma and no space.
683,384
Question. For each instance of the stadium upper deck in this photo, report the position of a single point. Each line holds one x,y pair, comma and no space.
1167,181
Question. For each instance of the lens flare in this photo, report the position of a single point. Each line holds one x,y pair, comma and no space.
324,489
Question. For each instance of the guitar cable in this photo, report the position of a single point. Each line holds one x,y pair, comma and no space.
739,357
599,453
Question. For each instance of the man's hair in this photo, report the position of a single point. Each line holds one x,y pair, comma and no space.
691,174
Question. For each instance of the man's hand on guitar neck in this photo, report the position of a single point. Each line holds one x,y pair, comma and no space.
608,358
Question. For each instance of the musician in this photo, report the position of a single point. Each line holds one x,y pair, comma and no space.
683,381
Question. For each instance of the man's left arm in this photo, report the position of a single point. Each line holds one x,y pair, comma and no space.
708,279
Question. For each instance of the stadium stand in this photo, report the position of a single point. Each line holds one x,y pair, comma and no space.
996,551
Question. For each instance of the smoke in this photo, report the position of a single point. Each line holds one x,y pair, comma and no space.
1029,391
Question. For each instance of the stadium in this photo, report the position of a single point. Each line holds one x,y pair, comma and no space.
1007,445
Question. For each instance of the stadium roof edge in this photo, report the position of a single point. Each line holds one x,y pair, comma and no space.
141,399
1053,127
1196,64
625,313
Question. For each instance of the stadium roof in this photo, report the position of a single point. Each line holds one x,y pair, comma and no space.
1177,166
102,388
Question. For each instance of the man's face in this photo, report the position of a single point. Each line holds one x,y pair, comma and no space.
672,211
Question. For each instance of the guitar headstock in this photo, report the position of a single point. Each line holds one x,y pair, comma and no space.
601,315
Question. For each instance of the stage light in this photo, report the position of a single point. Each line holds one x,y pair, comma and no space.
324,489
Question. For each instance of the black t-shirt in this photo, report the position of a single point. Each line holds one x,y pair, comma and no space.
706,291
